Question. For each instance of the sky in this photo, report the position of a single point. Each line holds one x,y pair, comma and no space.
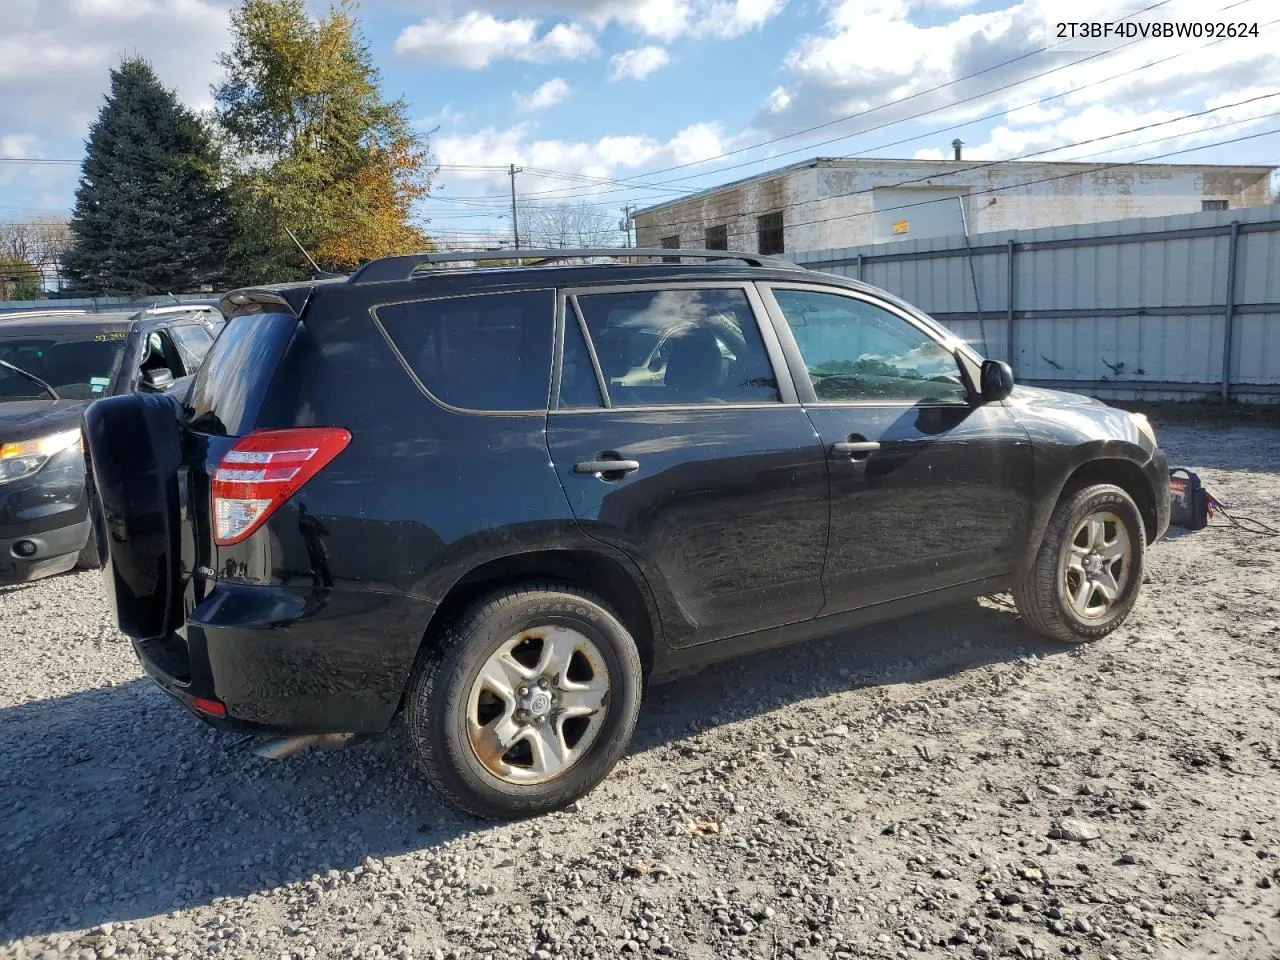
613,103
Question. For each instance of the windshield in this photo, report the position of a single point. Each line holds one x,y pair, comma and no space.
79,366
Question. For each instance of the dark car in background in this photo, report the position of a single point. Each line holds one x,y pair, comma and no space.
52,365
499,501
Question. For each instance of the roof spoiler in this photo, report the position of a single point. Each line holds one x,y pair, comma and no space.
264,300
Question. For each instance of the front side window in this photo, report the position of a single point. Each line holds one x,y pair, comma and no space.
857,351
667,347
490,351
159,353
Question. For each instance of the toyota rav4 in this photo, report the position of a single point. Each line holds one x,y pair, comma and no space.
499,500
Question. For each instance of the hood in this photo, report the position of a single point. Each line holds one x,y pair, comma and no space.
29,419
1028,396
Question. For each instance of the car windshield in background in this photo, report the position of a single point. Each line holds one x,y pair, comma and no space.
78,365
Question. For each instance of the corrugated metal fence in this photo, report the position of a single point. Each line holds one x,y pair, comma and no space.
1161,308
98,304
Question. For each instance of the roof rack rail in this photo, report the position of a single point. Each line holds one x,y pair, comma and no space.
403,267
21,314
188,306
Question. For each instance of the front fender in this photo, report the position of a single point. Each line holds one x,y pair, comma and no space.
1122,463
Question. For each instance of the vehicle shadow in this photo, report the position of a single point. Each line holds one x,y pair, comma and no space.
115,805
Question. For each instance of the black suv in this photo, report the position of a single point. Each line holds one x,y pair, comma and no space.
53,364
499,499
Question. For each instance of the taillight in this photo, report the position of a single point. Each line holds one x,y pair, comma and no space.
265,469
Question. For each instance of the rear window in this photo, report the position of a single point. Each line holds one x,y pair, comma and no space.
79,366
227,392
488,351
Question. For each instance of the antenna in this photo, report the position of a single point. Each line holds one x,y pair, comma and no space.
314,265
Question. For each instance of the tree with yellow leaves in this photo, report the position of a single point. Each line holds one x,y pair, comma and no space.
314,147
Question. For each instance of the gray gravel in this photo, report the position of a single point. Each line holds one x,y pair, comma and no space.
946,785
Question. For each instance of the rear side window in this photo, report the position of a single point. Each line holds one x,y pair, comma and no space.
228,391
490,351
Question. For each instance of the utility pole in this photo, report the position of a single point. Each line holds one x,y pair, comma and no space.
515,223
626,223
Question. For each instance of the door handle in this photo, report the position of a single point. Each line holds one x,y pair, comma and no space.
603,468
854,449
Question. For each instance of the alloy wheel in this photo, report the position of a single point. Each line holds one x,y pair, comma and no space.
538,704
1095,568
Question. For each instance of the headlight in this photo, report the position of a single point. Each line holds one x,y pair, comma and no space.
1142,423
26,457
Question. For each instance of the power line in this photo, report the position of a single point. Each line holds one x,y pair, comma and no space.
434,166
1026,183
921,93
1036,153
635,183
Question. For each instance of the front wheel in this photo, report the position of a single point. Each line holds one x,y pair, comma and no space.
525,702
1086,576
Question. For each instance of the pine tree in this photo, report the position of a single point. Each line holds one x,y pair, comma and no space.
151,213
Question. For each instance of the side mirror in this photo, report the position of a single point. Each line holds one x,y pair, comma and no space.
156,380
655,364
997,380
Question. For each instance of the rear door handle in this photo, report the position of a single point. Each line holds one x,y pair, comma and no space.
600,467
854,449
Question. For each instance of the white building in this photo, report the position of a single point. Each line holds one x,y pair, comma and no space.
826,203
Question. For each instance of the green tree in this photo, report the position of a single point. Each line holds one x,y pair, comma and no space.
319,151
19,279
151,213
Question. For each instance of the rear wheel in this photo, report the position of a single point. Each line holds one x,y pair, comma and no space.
525,702
1087,574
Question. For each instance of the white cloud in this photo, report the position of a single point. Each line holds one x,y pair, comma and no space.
20,145
55,55
664,19
637,64
778,100
661,19
1115,123
547,95
732,18
607,157
904,71
701,141
567,41
475,40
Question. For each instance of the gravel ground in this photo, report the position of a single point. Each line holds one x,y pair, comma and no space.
944,785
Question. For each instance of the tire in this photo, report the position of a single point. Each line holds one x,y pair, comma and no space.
1044,596
90,557
444,712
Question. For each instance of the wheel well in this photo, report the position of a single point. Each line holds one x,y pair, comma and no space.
601,575
1126,475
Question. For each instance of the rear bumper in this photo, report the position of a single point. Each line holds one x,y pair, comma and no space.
291,660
